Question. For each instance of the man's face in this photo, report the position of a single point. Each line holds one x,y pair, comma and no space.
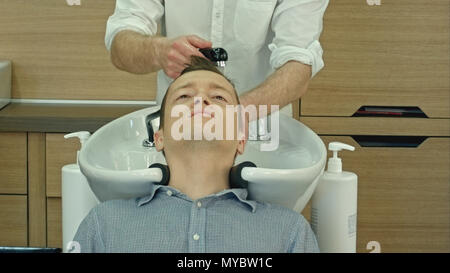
209,90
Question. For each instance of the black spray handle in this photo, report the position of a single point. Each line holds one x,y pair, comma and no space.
216,54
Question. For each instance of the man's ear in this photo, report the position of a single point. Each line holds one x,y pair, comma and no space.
241,146
158,137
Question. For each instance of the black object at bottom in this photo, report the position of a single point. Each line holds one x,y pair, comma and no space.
389,141
16,249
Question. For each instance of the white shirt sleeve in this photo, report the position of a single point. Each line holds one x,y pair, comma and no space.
297,25
138,15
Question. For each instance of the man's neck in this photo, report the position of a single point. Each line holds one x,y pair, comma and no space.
199,174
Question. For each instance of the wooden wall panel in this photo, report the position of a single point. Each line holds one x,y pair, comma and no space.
395,54
13,163
58,52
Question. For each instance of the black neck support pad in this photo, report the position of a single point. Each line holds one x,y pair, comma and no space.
235,176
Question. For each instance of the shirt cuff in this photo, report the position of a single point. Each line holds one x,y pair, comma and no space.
311,56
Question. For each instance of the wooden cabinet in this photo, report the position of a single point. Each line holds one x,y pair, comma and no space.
13,163
30,178
378,126
373,57
13,220
403,179
54,222
395,54
13,189
403,194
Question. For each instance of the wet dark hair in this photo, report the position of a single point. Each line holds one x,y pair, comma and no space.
197,63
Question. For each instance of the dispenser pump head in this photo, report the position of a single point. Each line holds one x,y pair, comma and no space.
82,135
335,163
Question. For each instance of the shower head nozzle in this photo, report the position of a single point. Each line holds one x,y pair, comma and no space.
217,55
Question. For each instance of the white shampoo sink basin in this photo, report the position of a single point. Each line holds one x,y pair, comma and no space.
115,162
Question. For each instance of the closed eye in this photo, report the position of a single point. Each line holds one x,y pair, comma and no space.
184,96
220,98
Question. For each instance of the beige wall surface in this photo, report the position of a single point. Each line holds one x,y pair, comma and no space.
58,52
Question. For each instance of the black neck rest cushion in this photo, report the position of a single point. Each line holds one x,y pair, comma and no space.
235,175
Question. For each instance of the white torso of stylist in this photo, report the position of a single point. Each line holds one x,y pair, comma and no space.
260,36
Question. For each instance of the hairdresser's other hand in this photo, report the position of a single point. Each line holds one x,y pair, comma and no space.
175,53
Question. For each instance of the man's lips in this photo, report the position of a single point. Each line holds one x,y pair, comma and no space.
203,113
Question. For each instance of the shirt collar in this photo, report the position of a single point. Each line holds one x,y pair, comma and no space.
240,193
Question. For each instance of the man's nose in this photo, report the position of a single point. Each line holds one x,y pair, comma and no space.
203,99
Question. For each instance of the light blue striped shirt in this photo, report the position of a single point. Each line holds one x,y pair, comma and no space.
167,220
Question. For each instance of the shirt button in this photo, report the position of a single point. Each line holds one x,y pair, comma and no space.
196,237
199,204
169,193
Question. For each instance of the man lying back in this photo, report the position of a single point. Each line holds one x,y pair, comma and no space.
196,211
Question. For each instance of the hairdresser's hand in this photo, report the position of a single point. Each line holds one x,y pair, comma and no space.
174,54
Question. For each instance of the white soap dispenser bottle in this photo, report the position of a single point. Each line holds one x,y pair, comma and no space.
77,197
334,206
